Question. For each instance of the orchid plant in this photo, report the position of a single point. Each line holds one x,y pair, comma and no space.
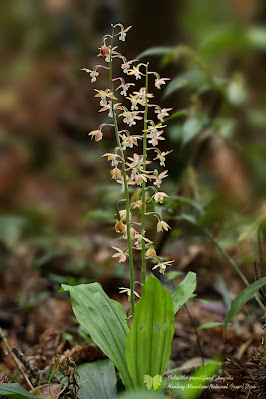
133,170
142,348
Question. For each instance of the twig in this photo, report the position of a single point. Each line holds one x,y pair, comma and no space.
262,273
194,328
234,265
16,360
24,360
196,332
226,256
257,277
260,250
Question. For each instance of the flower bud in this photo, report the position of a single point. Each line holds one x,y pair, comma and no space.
151,253
119,226
104,50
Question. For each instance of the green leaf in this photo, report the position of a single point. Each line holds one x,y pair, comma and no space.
194,79
257,37
192,388
184,290
193,126
99,215
177,114
187,218
172,275
226,39
211,324
141,395
183,200
97,379
252,229
241,299
160,50
105,321
15,391
148,344
11,228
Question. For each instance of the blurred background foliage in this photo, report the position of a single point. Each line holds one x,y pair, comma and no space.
57,206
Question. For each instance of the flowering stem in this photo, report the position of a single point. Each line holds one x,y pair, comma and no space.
130,255
143,192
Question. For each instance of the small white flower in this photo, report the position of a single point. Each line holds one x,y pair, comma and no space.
162,266
162,113
115,174
119,254
161,156
97,134
159,196
135,71
123,32
162,225
160,81
128,292
93,74
134,104
113,158
129,117
158,177
126,64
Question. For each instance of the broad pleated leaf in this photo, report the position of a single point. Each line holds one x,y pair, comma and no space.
184,290
15,391
97,379
105,321
241,299
148,344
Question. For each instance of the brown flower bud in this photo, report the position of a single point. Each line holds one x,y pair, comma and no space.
119,226
104,50
151,253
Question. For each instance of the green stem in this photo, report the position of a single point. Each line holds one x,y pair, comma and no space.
143,190
264,344
230,261
130,255
233,264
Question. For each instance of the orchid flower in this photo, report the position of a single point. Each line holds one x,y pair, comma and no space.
127,291
162,113
162,225
162,266
119,254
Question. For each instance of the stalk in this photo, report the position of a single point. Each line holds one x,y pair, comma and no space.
130,255
143,190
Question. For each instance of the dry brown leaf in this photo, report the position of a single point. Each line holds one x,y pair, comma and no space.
48,391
